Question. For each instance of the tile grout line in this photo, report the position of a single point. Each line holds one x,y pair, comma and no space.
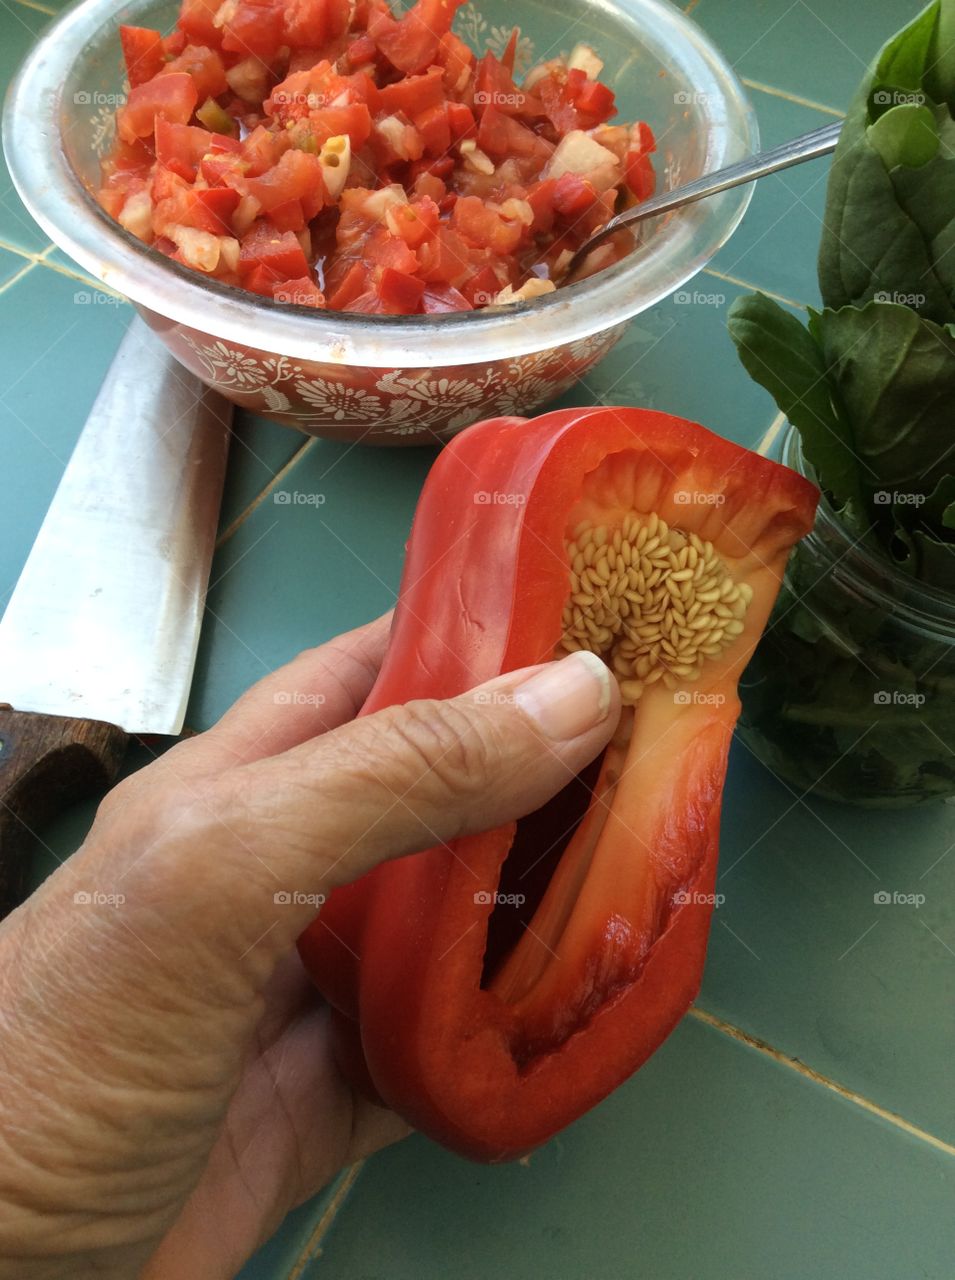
313,1245
795,98
809,1073
259,498
41,259
748,284
17,276
37,8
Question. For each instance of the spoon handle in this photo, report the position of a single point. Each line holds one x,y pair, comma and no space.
807,146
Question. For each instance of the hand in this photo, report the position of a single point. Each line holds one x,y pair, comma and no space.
168,1090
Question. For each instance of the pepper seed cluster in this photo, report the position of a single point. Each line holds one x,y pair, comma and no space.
654,602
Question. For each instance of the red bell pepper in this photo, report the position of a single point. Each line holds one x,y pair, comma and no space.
489,1023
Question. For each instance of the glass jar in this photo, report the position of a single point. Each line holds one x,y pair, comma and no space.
851,692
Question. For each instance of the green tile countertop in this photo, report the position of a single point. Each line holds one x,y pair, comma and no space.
799,1125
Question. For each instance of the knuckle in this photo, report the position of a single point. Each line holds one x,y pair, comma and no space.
442,748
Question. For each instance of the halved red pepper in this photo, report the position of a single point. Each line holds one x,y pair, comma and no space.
489,1024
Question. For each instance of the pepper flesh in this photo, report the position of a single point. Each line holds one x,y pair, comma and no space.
491,1054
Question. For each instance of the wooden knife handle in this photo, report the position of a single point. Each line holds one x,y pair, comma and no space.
46,763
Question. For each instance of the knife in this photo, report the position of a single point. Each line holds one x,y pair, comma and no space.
99,638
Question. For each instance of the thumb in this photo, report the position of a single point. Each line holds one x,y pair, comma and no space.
413,776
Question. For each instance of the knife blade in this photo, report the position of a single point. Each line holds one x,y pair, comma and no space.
99,637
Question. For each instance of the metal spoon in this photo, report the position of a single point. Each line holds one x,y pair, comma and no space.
819,142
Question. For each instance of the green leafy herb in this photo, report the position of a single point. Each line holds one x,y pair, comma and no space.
890,210
869,384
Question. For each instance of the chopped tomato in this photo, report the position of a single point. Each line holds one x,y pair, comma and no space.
639,167
461,121
206,209
303,292
263,137
438,298
312,23
196,22
400,294
296,177
165,97
484,226
180,147
254,29
411,43
205,67
277,254
142,53
573,195
501,135
351,287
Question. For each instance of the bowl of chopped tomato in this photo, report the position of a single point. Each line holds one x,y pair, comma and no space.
357,219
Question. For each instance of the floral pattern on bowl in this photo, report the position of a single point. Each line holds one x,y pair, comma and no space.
381,406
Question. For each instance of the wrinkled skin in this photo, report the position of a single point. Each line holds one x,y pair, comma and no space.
169,1091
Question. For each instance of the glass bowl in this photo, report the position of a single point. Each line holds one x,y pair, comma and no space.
851,691
390,379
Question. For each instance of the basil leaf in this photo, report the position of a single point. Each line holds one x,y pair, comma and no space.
888,226
940,504
906,134
895,376
782,355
